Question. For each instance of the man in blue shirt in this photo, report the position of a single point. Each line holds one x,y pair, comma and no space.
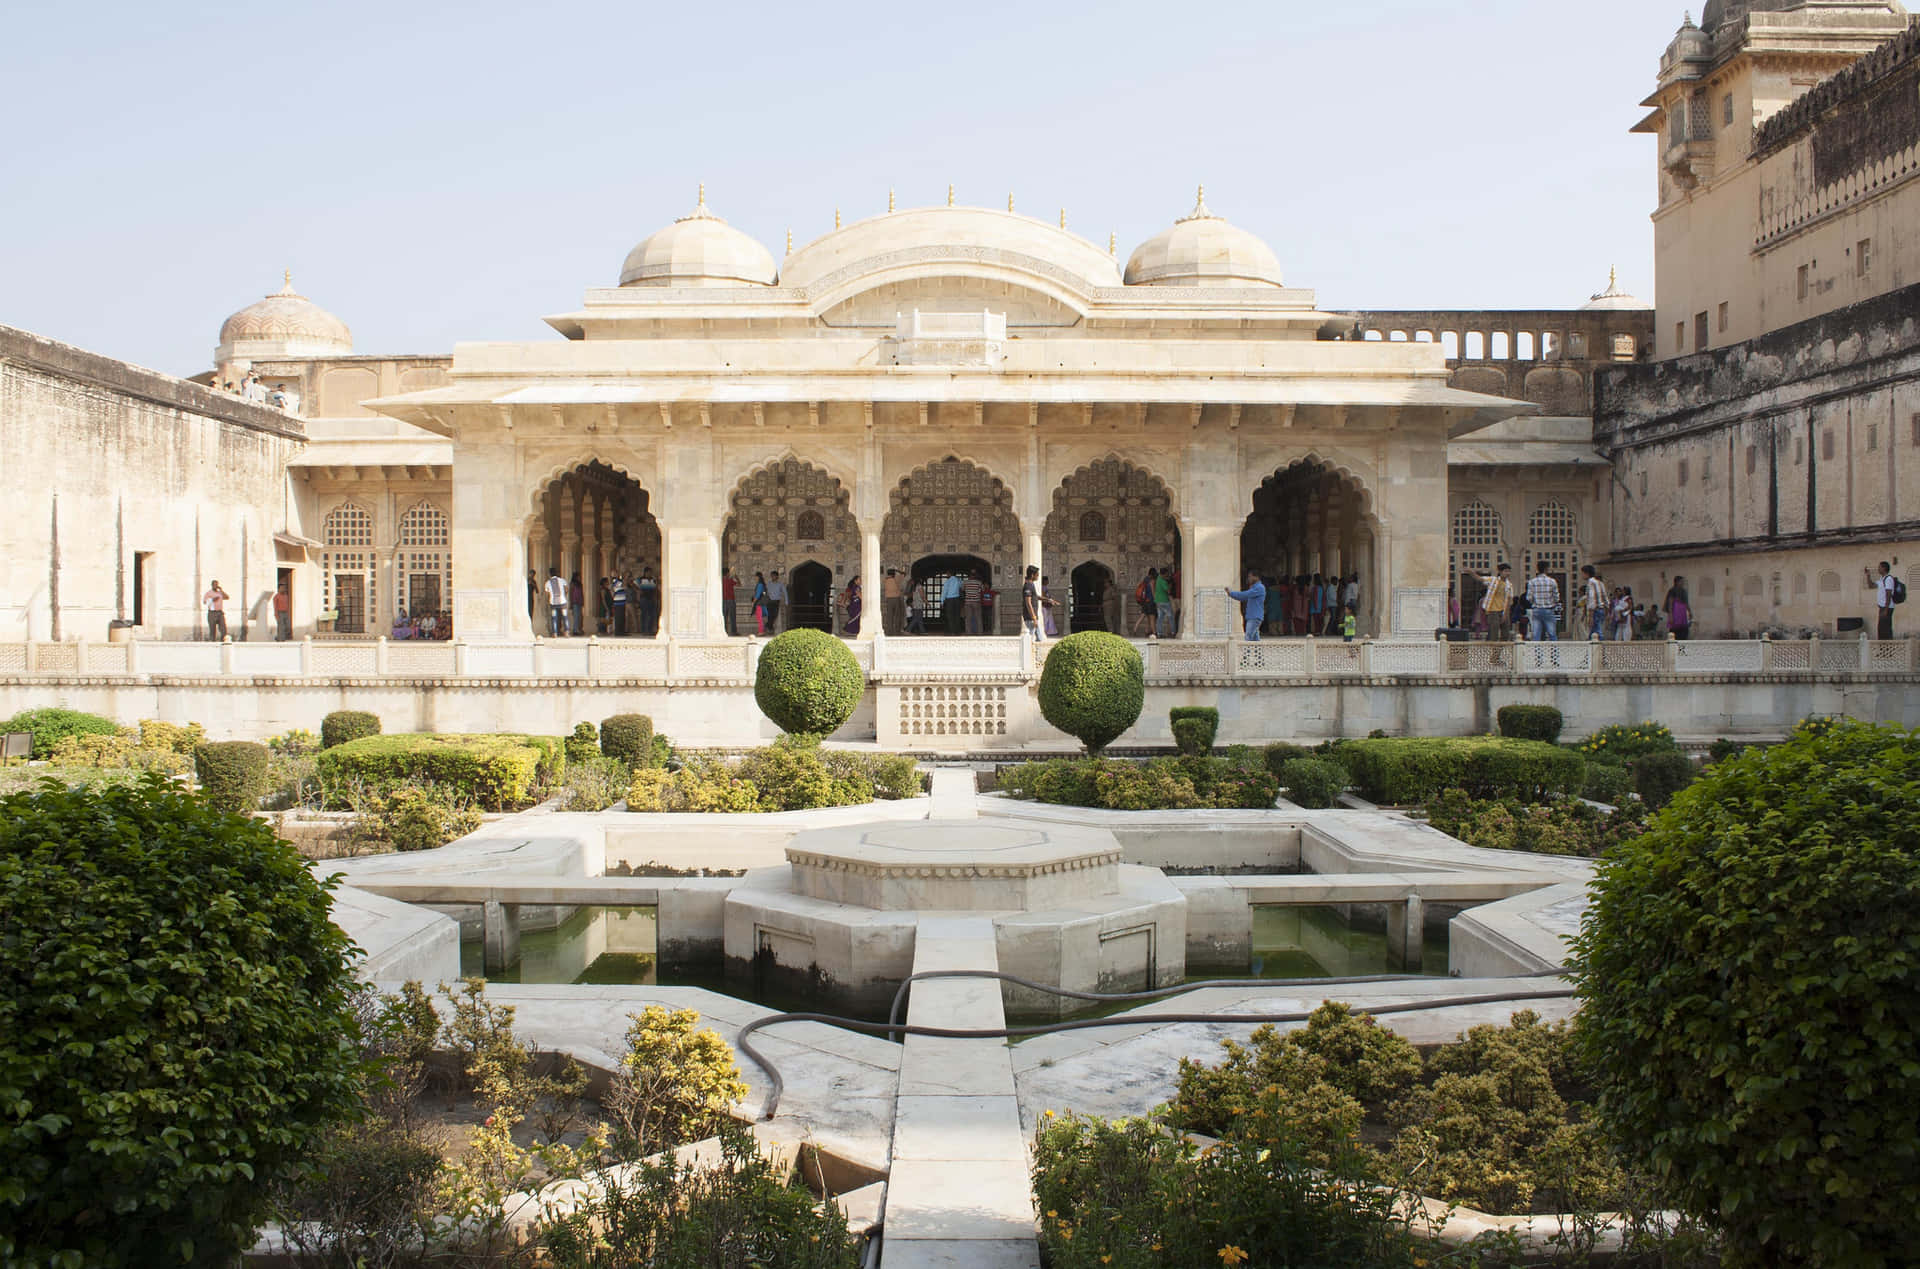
1255,599
951,601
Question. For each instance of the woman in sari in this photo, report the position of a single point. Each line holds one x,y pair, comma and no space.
853,606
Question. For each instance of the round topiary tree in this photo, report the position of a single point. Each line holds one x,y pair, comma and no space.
1750,968
808,682
232,774
1093,687
344,725
175,1025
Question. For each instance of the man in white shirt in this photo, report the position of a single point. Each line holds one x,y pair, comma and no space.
556,604
776,600
1543,603
1883,599
1593,599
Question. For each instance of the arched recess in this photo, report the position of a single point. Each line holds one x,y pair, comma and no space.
347,568
423,562
593,520
1307,518
1133,510
953,507
1553,539
1477,547
784,514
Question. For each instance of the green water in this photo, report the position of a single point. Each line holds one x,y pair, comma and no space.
1313,942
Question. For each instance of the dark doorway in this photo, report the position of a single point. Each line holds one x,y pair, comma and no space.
1087,600
930,574
810,593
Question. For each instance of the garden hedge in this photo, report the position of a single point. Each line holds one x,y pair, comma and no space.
1658,776
1530,722
51,726
344,725
175,1026
1279,753
808,682
232,774
1750,976
628,737
1194,727
498,773
1314,783
1406,770
1093,687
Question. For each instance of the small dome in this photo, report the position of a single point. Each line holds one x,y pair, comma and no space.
283,324
1203,250
1690,43
699,249
1614,298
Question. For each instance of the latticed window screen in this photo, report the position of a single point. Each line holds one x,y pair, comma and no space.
347,534
1476,550
1093,527
421,578
809,526
1550,541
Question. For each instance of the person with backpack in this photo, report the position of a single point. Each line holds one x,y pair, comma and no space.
1143,597
1888,590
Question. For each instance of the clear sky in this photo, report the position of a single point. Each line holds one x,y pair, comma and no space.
436,172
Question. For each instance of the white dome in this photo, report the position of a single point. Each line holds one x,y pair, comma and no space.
283,324
935,238
699,249
1203,250
1614,298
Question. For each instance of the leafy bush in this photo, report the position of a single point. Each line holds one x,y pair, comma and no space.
1279,753
297,743
808,682
50,726
122,751
232,774
1159,785
792,774
1401,771
1194,727
583,744
596,783
1622,742
1530,722
628,737
1748,975
1658,776
1558,828
174,1021
345,725
1093,687
1723,749
675,1083
497,773
180,738
417,817
1313,782
1607,782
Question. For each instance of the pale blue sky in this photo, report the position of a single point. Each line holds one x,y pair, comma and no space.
435,173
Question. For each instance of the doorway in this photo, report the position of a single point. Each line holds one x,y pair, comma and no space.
810,596
930,574
1090,588
282,621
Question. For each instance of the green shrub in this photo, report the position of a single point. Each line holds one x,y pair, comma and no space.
122,751
174,1025
628,737
232,774
1723,749
596,783
1530,722
1623,742
703,786
583,744
1607,782
1067,782
180,738
808,682
1402,771
1748,973
792,776
297,743
1093,687
1313,782
1279,753
344,725
891,776
1194,727
417,817
497,773
1658,776
50,726
1568,827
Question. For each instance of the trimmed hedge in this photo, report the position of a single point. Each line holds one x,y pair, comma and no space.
1658,776
51,726
344,725
1093,687
808,682
1314,783
1194,727
1607,782
232,774
499,773
1161,784
1530,722
1280,753
1406,770
628,737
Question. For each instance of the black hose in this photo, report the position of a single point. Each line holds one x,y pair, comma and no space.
778,1085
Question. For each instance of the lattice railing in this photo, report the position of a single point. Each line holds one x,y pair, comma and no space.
107,658
1336,658
267,659
1632,658
500,660
1178,659
1891,655
1496,657
1410,658
1722,656
1840,656
944,655
1271,658
349,659
179,658
420,660
710,660
629,660
1790,656
1554,658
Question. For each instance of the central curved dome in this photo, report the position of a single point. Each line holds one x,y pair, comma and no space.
974,238
1201,249
699,249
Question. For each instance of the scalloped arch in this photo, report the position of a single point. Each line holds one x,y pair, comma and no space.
755,467
536,489
1115,456
1005,486
1338,466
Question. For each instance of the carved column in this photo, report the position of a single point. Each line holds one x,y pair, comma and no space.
871,580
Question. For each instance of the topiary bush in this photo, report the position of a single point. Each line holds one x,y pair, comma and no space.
1093,687
175,1025
808,682
1749,977
582,745
1658,776
1314,783
496,773
50,726
1530,722
1194,727
232,774
628,737
344,725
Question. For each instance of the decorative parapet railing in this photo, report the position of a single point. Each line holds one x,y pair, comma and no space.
936,659
1791,216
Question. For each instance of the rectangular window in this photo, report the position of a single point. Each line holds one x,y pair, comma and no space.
1683,473
1726,110
1706,469
1873,437
1798,454
1679,337
1826,445
1916,429
1803,283
1723,317
1643,484
143,570
1862,257
1753,459
1699,332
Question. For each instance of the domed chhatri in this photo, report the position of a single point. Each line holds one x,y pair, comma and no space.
1614,298
283,324
699,249
1201,249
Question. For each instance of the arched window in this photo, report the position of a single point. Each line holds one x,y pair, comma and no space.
1498,349
1550,541
347,566
810,526
423,576
1476,346
1093,527
1476,550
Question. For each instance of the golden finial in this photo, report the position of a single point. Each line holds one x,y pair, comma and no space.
836,218
1063,218
1009,201
889,198
701,200
1613,276
1200,194
789,239
949,194
1113,243
286,279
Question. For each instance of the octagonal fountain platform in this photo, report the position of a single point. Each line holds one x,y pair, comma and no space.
839,919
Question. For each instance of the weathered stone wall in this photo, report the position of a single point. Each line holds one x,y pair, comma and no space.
1546,356
107,463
